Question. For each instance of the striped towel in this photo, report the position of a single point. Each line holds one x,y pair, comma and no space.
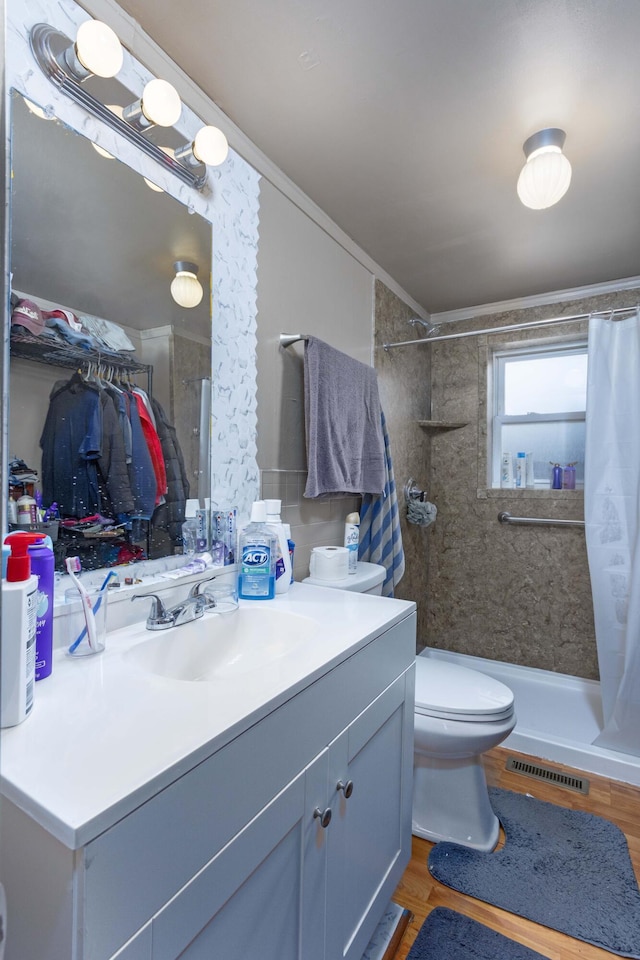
380,537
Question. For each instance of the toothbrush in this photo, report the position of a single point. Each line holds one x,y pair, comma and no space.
83,633
73,567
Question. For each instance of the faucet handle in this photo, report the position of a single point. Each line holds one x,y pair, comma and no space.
195,589
158,615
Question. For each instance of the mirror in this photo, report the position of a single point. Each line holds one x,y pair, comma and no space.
88,235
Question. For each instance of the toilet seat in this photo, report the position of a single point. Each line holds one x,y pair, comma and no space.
452,692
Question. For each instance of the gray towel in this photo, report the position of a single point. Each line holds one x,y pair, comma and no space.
345,446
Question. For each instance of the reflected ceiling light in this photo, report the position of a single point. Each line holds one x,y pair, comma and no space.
186,289
159,106
96,52
35,109
101,151
209,146
546,175
153,186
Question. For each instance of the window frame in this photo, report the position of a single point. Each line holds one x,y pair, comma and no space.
524,350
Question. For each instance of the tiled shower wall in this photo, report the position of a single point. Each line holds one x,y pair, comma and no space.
516,593
403,378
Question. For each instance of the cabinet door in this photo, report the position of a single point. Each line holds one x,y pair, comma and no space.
258,894
370,832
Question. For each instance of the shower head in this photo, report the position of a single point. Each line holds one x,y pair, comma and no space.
431,328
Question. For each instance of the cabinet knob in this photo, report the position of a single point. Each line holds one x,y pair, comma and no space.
347,788
324,816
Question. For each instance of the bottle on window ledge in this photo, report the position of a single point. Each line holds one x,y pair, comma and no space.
569,476
556,482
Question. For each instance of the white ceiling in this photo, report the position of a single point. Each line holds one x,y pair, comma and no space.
405,121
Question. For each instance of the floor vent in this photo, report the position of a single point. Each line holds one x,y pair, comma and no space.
538,772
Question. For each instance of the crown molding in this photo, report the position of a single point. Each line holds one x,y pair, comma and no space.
536,300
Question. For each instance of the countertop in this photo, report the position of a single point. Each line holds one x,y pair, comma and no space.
104,735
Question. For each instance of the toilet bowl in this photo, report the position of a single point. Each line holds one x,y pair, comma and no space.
459,714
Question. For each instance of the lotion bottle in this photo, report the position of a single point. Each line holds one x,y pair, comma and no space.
18,651
283,557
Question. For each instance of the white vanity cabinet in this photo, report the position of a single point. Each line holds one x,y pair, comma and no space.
229,859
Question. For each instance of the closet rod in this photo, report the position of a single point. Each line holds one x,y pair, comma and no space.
513,326
507,518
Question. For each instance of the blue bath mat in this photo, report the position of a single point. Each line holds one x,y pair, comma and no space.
447,935
568,870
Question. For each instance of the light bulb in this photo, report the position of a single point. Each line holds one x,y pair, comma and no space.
546,175
210,146
186,289
98,49
153,186
161,103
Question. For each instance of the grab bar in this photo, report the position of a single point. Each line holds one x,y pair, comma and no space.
507,518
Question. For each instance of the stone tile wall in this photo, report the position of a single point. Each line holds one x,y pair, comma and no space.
514,593
403,378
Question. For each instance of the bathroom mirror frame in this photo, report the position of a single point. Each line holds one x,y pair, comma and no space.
229,201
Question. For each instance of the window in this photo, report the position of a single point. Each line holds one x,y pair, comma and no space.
539,402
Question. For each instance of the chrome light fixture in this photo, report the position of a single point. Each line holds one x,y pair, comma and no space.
186,289
97,52
546,175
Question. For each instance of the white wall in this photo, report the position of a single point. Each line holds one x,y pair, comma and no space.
307,283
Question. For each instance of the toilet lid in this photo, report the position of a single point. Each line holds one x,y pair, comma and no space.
449,690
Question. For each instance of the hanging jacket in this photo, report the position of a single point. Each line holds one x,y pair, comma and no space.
170,514
71,445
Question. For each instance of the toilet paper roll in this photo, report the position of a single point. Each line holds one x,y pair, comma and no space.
329,563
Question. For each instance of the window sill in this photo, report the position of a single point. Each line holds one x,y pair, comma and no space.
508,493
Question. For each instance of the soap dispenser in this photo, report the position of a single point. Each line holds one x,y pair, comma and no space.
283,557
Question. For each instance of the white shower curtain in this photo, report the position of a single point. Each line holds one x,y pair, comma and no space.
612,518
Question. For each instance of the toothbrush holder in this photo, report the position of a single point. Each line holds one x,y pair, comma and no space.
77,637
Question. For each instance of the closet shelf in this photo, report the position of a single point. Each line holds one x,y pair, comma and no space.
443,424
26,347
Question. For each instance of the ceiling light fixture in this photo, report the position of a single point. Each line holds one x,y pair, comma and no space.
97,50
546,175
186,289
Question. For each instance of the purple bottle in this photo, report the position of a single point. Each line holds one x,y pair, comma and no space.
556,483
42,565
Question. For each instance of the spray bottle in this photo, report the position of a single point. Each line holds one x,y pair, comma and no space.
18,651
352,539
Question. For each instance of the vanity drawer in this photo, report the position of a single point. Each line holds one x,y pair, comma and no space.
136,866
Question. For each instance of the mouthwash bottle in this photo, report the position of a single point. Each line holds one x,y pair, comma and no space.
257,547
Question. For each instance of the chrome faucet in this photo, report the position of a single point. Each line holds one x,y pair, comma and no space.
191,608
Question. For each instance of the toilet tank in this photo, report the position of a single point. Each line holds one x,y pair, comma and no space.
368,578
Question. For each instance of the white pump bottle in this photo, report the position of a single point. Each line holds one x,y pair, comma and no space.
283,561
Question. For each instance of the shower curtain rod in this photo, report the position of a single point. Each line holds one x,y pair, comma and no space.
513,326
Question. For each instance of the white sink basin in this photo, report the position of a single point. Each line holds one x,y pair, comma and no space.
223,646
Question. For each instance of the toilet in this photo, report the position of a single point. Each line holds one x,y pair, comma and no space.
459,715
368,578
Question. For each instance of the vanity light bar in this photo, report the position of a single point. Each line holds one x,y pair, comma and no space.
43,39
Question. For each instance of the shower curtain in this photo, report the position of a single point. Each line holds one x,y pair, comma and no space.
612,521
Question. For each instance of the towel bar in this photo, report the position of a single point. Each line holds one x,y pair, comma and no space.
507,518
286,339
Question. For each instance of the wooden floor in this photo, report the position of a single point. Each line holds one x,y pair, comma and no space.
420,893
